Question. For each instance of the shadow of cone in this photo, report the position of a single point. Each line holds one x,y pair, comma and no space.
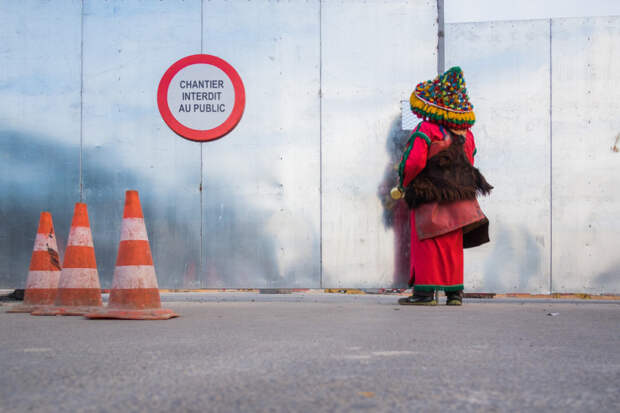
79,291
44,273
135,293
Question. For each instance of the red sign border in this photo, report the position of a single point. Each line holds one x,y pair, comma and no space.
198,134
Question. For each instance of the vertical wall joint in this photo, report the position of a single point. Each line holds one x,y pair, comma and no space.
550,156
441,36
202,166
81,173
321,144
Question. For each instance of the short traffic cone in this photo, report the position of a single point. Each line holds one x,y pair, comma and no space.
78,288
135,293
44,273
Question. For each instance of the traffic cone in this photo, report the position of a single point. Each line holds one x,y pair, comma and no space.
44,273
78,288
135,293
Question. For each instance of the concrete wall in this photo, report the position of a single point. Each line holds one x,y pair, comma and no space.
297,194
370,61
290,198
545,95
586,155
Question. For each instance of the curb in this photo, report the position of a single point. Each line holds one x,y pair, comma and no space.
368,291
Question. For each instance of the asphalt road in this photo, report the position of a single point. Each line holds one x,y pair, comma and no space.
318,353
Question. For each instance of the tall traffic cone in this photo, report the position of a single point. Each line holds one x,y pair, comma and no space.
44,273
135,293
78,288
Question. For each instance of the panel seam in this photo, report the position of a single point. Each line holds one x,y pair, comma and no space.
550,156
202,166
81,167
320,143
441,56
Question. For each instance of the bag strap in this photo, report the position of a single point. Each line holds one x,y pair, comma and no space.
435,147
408,148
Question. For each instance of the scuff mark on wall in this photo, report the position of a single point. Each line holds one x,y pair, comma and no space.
610,277
615,147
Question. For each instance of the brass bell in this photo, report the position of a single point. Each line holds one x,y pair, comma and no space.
396,193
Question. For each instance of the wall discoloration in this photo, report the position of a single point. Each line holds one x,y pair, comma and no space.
291,194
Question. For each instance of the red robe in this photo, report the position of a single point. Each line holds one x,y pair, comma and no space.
436,263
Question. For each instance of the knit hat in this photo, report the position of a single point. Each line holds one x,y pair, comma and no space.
444,100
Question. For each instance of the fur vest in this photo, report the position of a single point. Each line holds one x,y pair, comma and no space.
447,176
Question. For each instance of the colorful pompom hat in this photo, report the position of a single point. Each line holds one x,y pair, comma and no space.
444,100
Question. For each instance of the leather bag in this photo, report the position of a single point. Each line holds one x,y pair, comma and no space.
434,219
438,218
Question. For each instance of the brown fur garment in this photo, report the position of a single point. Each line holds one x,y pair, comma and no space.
447,176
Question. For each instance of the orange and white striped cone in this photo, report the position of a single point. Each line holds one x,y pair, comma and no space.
135,293
79,291
44,273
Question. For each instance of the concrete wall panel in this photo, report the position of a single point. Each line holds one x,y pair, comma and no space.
373,53
127,48
261,204
506,66
586,157
39,126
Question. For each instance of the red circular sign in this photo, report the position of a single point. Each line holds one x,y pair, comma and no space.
190,116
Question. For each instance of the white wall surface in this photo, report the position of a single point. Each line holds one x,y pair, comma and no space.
372,57
506,67
295,195
586,167
546,98
467,11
